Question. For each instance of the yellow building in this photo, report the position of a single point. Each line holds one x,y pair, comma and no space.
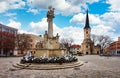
34,39
25,42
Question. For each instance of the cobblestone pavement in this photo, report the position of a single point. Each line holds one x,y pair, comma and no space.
94,67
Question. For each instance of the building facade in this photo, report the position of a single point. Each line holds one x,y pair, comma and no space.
97,49
7,40
114,48
25,42
75,49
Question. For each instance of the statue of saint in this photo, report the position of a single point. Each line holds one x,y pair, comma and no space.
50,13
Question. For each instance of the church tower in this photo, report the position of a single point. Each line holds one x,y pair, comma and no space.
87,29
87,45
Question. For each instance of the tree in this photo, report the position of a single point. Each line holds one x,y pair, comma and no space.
94,38
102,40
67,42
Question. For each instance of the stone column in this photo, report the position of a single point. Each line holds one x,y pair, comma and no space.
50,28
50,16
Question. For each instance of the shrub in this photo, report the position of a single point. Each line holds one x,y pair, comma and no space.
45,60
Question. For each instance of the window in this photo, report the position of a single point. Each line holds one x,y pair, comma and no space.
31,40
0,35
86,46
0,50
118,52
86,32
0,28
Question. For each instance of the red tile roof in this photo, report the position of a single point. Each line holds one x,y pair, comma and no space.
75,46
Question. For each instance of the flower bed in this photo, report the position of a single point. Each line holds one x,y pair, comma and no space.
44,60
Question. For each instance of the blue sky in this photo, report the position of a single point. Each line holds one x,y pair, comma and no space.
29,16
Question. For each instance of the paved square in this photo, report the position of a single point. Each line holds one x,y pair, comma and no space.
94,67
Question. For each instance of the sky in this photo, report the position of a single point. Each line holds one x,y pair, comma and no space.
29,16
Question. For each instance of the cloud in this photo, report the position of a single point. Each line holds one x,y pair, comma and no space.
39,27
92,1
80,19
26,32
67,32
10,14
105,30
114,5
6,5
111,19
76,33
105,24
14,24
35,11
65,7
102,30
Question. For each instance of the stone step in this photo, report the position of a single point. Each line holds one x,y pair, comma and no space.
48,66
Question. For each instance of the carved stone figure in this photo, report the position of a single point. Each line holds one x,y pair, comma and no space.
50,13
50,16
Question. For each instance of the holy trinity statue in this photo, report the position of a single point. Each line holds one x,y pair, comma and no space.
50,13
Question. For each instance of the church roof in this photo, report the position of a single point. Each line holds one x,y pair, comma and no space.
87,21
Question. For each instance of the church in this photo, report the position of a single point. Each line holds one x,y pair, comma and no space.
87,46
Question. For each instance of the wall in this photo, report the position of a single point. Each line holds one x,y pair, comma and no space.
49,52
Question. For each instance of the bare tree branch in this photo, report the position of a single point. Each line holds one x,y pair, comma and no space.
67,42
101,40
